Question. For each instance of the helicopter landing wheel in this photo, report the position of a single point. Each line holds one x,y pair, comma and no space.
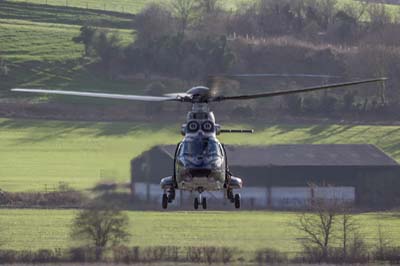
196,203
164,201
204,203
237,201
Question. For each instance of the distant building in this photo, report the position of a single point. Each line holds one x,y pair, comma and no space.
288,176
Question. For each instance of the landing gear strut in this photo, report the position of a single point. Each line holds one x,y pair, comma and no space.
230,196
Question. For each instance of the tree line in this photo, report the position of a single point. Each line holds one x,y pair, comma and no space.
190,39
328,232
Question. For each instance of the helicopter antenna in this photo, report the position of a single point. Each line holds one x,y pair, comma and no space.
237,131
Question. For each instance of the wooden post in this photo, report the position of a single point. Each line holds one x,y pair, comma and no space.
312,194
147,191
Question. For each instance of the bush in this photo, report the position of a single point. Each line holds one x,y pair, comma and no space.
194,254
123,254
268,255
82,254
47,199
8,256
162,253
210,254
388,254
45,255
27,256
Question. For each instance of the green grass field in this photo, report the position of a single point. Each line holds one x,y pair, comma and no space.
36,43
33,44
124,6
35,154
63,15
247,231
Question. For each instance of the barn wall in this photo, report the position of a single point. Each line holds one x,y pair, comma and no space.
151,166
255,197
375,186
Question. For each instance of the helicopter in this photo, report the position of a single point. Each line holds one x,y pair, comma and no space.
200,161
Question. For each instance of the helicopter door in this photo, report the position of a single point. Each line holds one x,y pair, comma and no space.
177,149
227,173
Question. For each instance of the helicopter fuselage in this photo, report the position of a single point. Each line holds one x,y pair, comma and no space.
200,164
200,159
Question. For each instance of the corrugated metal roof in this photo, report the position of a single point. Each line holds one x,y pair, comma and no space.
303,154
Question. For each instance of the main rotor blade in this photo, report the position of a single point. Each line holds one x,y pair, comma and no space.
285,92
283,75
100,95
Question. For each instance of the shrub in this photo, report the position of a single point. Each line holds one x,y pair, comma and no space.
8,256
64,198
388,253
125,255
194,254
82,254
269,255
210,254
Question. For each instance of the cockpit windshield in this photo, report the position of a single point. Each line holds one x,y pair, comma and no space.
200,147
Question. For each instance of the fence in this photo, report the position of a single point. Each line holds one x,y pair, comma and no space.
123,6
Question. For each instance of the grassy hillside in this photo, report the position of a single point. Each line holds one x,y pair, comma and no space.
36,43
123,6
39,153
136,5
33,33
33,44
25,10
247,231
127,6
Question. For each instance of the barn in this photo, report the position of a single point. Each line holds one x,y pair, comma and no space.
288,176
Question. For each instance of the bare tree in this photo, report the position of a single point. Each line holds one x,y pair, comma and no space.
349,231
318,227
153,22
185,11
383,244
209,6
378,15
328,10
4,70
100,228
107,47
356,9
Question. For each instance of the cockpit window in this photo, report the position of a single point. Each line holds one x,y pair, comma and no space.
199,147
